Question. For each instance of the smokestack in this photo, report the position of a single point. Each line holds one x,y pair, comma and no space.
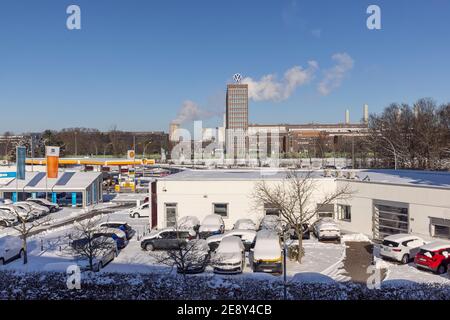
366,113
347,116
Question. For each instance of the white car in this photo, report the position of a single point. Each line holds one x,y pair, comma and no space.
105,256
247,237
212,224
188,223
44,202
326,228
32,213
246,224
140,211
7,219
10,249
37,206
271,222
230,256
15,211
401,247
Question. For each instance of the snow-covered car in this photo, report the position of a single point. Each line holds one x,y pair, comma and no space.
10,249
117,235
188,223
141,211
16,212
434,256
37,206
271,222
247,237
229,257
166,239
105,255
212,224
304,229
267,253
196,258
246,224
121,225
400,247
32,213
5,201
7,219
53,207
326,229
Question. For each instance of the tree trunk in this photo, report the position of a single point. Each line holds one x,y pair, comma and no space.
24,248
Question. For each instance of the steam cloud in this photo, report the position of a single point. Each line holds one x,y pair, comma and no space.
333,77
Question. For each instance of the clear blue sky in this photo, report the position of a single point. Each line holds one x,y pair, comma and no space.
135,62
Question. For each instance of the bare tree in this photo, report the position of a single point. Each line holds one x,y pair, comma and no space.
26,224
84,241
293,198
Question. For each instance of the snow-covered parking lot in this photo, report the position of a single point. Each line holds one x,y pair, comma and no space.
323,262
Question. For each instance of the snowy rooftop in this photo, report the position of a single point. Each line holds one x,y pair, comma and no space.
407,177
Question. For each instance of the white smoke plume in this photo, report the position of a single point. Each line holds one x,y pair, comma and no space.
269,88
333,77
191,111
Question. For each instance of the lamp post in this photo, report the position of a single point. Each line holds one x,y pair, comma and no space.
145,148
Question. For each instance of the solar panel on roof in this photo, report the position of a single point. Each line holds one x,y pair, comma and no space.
38,177
64,179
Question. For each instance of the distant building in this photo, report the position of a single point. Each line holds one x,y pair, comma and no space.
173,127
236,120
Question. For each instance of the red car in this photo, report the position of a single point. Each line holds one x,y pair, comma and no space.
434,256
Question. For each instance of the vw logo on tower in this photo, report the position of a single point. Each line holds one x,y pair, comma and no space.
237,77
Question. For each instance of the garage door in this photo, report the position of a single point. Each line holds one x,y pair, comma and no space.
390,218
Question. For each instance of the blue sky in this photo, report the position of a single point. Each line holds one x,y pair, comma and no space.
135,63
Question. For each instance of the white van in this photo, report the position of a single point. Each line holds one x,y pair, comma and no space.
267,254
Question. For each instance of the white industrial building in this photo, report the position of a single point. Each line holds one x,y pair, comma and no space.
383,201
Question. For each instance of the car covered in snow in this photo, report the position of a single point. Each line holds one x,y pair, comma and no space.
31,211
244,224
10,248
121,225
140,211
304,229
247,237
117,235
326,229
17,212
106,253
212,224
271,222
53,207
7,218
229,257
166,239
196,257
400,247
434,256
267,253
188,223
36,206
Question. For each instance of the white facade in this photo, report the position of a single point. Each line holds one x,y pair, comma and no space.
423,198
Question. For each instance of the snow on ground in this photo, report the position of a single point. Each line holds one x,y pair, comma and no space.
354,237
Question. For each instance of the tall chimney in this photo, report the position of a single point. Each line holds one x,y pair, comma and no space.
366,113
347,116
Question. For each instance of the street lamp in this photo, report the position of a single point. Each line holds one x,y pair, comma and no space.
145,148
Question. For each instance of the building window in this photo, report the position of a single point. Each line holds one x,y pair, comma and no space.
271,210
344,212
325,210
440,228
220,209
171,214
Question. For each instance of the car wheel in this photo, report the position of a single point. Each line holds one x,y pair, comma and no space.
405,259
441,269
3,224
136,215
149,247
2,261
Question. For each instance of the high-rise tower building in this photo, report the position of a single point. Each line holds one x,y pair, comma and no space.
237,119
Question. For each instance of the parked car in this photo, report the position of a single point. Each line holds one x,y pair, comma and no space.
140,211
197,258
271,222
15,211
166,239
212,224
400,247
117,235
229,257
121,225
188,223
244,224
5,201
10,249
53,207
434,256
326,228
267,253
36,206
105,255
31,212
247,237
305,232
7,219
